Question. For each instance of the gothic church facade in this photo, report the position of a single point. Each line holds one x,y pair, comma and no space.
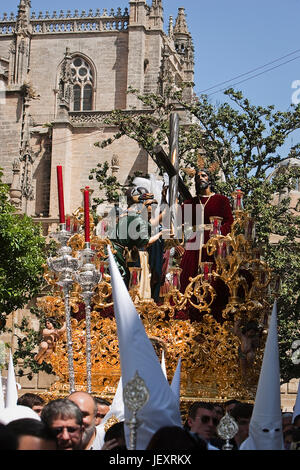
60,74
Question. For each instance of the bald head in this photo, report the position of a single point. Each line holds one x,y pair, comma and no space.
88,408
84,400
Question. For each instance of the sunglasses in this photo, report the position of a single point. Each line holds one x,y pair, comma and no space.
206,419
70,429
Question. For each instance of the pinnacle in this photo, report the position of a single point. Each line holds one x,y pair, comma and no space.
181,24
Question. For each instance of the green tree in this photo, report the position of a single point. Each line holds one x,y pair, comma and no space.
22,255
246,141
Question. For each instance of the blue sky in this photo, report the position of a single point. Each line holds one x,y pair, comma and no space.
231,38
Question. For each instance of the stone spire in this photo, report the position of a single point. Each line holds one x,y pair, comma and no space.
23,17
182,37
20,46
156,14
184,46
181,24
171,28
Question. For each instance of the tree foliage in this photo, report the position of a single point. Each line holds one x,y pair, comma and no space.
22,256
247,142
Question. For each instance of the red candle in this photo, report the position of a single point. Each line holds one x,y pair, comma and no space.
68,223
206,272
60,194
134,278
216,227
86,214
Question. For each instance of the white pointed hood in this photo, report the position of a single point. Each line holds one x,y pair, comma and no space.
175,384
296,410
11,397
137,355
116,409
163,364
15,412
265,430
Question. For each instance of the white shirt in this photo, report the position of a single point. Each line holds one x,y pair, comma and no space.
97,442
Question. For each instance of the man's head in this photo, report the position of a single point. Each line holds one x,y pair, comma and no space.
103,407
32,434
33,401
116,432
250,329
287,421
64,418
140,199
203,180
242,413
202,420
88,407
229,405
219,410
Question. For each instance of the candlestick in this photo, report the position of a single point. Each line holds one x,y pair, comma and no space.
88,278
65,266
86,194
60,189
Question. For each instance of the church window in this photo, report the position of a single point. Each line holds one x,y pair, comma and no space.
83,85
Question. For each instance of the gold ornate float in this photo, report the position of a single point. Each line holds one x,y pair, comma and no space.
217,362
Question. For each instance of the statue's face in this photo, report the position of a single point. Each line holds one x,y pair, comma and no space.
202,180
49,325
149,206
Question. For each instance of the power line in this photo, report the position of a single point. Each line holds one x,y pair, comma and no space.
251,71
73,138
256,75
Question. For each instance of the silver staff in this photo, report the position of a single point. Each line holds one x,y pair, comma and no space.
174,157
227,429
65,266
88,278
135,396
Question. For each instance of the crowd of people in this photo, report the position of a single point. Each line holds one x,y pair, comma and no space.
80,421
74,423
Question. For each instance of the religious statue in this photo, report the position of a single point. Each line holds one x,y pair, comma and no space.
198,213
131,235
50,336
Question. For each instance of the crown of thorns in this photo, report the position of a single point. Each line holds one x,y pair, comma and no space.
202,165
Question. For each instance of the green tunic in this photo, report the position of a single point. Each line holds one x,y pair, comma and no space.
132,231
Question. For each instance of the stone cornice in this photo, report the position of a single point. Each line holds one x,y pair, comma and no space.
69,23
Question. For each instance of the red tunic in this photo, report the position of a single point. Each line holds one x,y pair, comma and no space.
218,206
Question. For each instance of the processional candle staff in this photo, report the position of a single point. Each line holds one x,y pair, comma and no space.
65,266
87,278
135,396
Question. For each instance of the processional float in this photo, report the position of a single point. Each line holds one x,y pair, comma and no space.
216,362
211,352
